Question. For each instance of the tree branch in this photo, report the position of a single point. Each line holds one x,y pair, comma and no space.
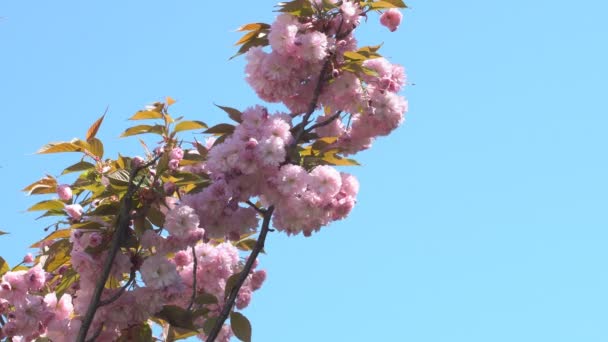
195,265
324,122
259,245
121,229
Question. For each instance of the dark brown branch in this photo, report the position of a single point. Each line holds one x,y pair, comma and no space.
324,122
121,229
313,103
259,246
96,335
255,207
120,292
195,265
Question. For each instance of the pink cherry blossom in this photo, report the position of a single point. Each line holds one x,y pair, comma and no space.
391,18
65,192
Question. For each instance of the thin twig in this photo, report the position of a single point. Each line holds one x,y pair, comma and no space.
255,207
193,278
324,123
121,229
120,292
259,245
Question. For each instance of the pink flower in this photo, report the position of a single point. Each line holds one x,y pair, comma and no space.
65,192
157,272
391,19
177,153
35,278
181,220
28,258
173,164
74,211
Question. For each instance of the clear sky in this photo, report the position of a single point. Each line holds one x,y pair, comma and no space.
483,218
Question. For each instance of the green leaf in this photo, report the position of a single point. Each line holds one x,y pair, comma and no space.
47,205
119,177
260,40
156,217
80,166
234,114
146,114
246,244
177,317
221,129
176,334
68,278
189,125
205,298
354,56
298,8
209,324
240,326
3,266
58,234
94,128
136,333
143,129
230,283
58,255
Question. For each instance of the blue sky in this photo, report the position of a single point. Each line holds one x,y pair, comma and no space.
483,218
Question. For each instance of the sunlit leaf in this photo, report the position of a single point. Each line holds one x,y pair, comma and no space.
387,4
46,185
189,125
336,160
80,166
58,234
260,40
96,147
143,129
176,334
298,8
94,128
58,255
247,37
354,56
246,244
240,326
3,266
146,114
253,27
60,147
170,101
47,205
68,278
119,177
234,114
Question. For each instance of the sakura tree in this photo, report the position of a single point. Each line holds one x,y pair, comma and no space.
171,238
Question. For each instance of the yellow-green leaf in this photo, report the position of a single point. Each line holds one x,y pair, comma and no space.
3,266
240,326
146,114
46,185
60,147
247,37
80,166
246,244
143,129
59,254
96,147
176,334
47,205
94,128
189,125
354,56
387,4
58,234
177,317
